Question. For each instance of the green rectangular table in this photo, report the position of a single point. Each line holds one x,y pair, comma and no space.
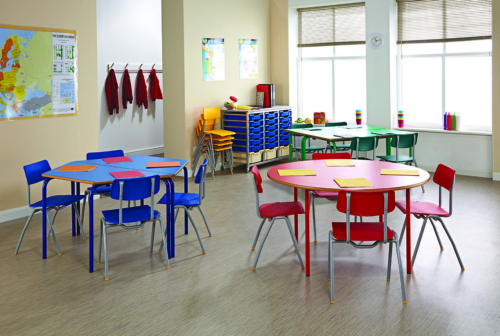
331,135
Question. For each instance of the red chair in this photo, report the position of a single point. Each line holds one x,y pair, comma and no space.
445,178
365,203
272,212
325,194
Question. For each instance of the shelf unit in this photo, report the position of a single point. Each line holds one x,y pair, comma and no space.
256,131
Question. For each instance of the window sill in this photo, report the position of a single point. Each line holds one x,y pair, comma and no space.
431,130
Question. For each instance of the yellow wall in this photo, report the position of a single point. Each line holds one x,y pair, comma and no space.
496,89
60,139
228,19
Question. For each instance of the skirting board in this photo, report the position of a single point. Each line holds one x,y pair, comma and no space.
25,211
146,151
496,176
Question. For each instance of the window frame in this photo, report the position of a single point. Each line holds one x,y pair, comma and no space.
443,56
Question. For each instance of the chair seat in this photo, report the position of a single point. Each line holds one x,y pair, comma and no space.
343,146
270,210
310,148
326,194
367,231
220,132
392,158
59,200
101,189
185,199
129,215
423,208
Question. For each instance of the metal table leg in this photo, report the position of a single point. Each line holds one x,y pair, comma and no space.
408,232
44,218
73,222
290,147
303,148
91,229
185,211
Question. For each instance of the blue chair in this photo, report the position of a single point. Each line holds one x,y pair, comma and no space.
33,174
103,189
189,201
131,189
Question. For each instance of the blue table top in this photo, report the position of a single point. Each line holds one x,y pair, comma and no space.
101,174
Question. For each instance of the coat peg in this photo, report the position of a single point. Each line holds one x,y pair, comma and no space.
111,67
153,66
126,65
140,66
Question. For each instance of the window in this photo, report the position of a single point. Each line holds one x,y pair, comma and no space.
331,64
444,62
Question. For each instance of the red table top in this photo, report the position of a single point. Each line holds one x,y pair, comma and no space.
371,170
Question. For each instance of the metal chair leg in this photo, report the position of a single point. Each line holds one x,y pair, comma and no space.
23,232
415,162
258,234
403,290
54,233
390,262
83,207
453,244
418,242
106,271
205,220
196,230
53,220
100,240
437,234
331,268
262,244
312,198
165,233
164,241
80,222
294,241
402,232
152,237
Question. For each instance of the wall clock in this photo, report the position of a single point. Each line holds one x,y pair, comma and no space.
376,41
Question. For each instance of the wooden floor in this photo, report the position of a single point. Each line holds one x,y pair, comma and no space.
218,294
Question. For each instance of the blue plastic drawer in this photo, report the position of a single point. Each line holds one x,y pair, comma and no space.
284,142
243,117
251,143
271,133
251,136
254,117
243,123
286,113
285,126
251,148
255,129
285,119
271,138
271,121
239,130
284,137
271,127
283,132
271,144
271,115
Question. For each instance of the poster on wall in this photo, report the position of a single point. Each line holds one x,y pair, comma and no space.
37,72
249,58
213,59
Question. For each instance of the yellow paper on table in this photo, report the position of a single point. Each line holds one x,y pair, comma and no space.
404,172
339,163
352,183
296,172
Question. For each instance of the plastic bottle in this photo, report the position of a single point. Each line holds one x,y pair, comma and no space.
459,122
454,122
449,122
444,121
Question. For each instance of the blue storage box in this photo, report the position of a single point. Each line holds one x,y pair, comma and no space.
271,144
286,113
271,127
271,133
284,142
271,115
242,117
251,148
271,121
271,138
284,137
251,143
285,119
243,123
239,129
255,129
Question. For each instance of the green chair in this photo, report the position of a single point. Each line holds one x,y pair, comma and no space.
309,148
363,144
343,146
403,141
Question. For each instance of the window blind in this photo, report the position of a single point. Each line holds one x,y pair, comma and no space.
332,25
426,21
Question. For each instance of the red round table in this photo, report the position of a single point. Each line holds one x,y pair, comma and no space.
323,180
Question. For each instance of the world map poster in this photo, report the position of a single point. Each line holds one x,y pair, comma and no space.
37,72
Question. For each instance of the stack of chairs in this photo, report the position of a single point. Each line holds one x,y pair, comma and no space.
212,141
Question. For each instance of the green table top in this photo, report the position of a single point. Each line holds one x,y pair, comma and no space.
344,132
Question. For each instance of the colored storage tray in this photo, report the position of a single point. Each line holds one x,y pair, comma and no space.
251,143
271,121
271,115
286,113
238,129
271,144
251,117
272,138
284,142
271,133
285,119
255,129
271,127
251,136
244,123
251,148
284,137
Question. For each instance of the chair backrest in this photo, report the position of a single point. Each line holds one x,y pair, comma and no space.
104,155
404,140
336,124
364,144
35,170
444,177
211,113
134,189
258,187
200,179
302,126
331,156
366,203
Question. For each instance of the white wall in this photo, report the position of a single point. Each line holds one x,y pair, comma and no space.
468,154
129,31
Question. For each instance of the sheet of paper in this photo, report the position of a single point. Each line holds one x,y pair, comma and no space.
117,159
163,164
249,58
296,172
339,163
403,172
353,183
77,168
127,174
213,59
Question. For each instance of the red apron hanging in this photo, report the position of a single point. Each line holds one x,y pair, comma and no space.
126,90
111,90
154,86
141,92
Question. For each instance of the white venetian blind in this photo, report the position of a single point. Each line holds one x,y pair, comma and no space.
426,21
332,25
